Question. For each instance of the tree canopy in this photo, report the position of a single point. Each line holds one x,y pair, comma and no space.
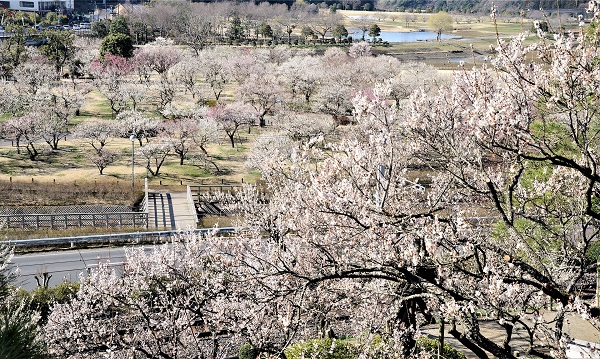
440,23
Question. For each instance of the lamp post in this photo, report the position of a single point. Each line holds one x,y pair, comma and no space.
132,138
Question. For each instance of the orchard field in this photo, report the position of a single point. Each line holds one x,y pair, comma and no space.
167,83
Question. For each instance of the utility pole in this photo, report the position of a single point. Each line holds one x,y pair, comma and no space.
132,138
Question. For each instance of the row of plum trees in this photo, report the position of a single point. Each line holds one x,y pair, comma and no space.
351,243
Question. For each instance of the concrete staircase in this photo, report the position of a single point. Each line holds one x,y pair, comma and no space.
170,211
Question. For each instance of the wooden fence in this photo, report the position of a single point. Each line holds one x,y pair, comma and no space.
70,220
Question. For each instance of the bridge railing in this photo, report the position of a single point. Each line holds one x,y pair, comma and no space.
192,203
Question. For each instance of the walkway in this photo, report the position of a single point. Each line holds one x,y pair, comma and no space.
581,331
170,211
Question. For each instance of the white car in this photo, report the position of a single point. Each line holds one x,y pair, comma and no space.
76,27
85,25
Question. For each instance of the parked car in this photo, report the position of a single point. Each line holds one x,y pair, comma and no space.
67,27
85,25
52,27
76,27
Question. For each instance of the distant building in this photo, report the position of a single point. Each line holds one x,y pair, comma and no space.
38,5
128,9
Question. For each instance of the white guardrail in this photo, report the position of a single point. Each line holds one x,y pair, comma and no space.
137,237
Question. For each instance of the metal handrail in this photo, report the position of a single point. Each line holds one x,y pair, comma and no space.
192,204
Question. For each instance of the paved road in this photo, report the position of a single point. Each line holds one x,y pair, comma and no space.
63,265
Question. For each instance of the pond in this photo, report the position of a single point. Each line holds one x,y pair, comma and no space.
403,36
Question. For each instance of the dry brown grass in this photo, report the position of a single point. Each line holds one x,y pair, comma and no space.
34,192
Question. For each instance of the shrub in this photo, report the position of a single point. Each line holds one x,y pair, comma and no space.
325,348
41,298
247,351
100,29
118,45
431,346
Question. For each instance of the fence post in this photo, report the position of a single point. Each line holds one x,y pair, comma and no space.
37,222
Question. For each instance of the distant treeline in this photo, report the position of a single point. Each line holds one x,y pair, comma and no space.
461,6
466,6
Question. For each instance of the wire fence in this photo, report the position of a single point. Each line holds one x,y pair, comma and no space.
74,220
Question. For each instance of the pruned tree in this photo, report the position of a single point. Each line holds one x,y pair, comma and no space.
263,93
103,158
181,131
242,65
231,117
158,58
98,133
213,67
25,130
155,155
135,123
186,72
304,128
32,76
56,108
110,78
301,75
